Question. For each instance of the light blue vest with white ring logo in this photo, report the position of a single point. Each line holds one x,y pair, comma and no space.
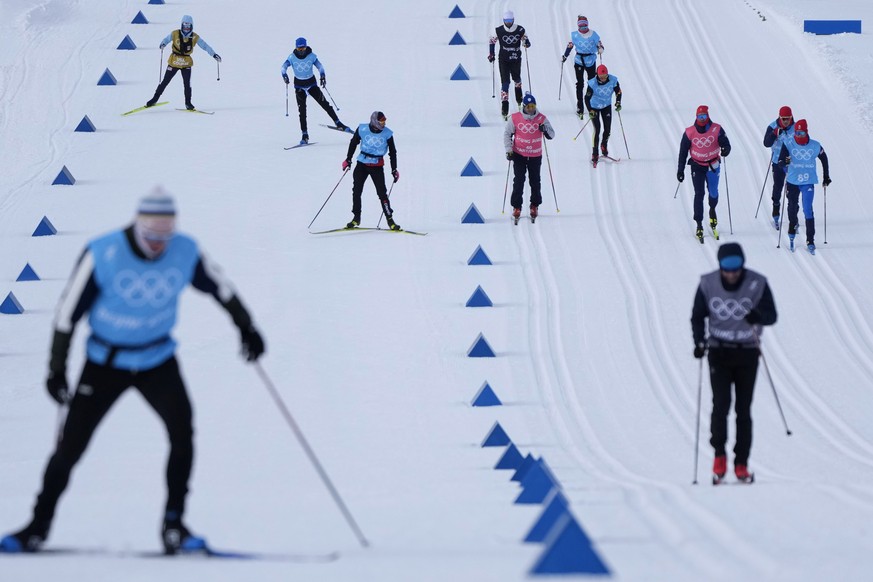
601,95
373,145
586,46
137,304
801,170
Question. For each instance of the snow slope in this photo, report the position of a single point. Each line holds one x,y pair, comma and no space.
367,332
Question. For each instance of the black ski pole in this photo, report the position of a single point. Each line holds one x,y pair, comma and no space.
506,187
770,378
767,175
677,190
331,98
622,134
388,197
218,70
280,404
561,81
346,171
826,214
728,188
697,430
782,216
161,66
286,99
551,179
493,89
583,128
527,64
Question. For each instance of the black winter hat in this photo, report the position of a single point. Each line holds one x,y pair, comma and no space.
731,257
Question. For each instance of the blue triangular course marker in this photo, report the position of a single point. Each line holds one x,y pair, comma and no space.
529,460
497,437
470,120
480,348
537,484
64,178
127,44
479,257
473,216
107,78
11,306
511,459
460,74
139,18
457,12
85,125
28,274
556,506
486,397
45,228
471,169
457,39
568,551
479,298
156,1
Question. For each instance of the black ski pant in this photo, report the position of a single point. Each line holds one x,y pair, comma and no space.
98,389
520,165
778,184
582,84
319,97
359,176
735,367
606,115
510,69
793,194
704,180
168,76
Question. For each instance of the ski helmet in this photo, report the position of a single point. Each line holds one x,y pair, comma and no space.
377,120
529,102
801,132
602,71
187,26
702,115
786,117
731,257
156,217
582,23
300,43
509,16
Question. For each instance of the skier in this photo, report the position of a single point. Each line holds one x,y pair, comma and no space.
523,142
588,46
781,128
376,140
511,38
798,156
129,282
301,60
183,42
737,302
707,143
598,99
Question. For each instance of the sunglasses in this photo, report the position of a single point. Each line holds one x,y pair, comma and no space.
800,133
785,118
702,116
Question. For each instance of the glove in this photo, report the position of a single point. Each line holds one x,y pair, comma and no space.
564,59
56,384
285,78
753,317
217,57
162,46
526,42
396,174
699,351
323,81
826,181
346,164
617,107
786,161
680,175
777,130
725,152
592,114
508,155
490,58
252,344
542,128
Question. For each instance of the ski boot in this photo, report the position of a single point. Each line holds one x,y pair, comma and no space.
190,106
151,102
393,225
355,222
29,539
743,475
594,158
791,241
534,212
305,139
504,109
177,539
810,246
776,216
516,214
719,469
713,224
699,232
603,151
341,126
